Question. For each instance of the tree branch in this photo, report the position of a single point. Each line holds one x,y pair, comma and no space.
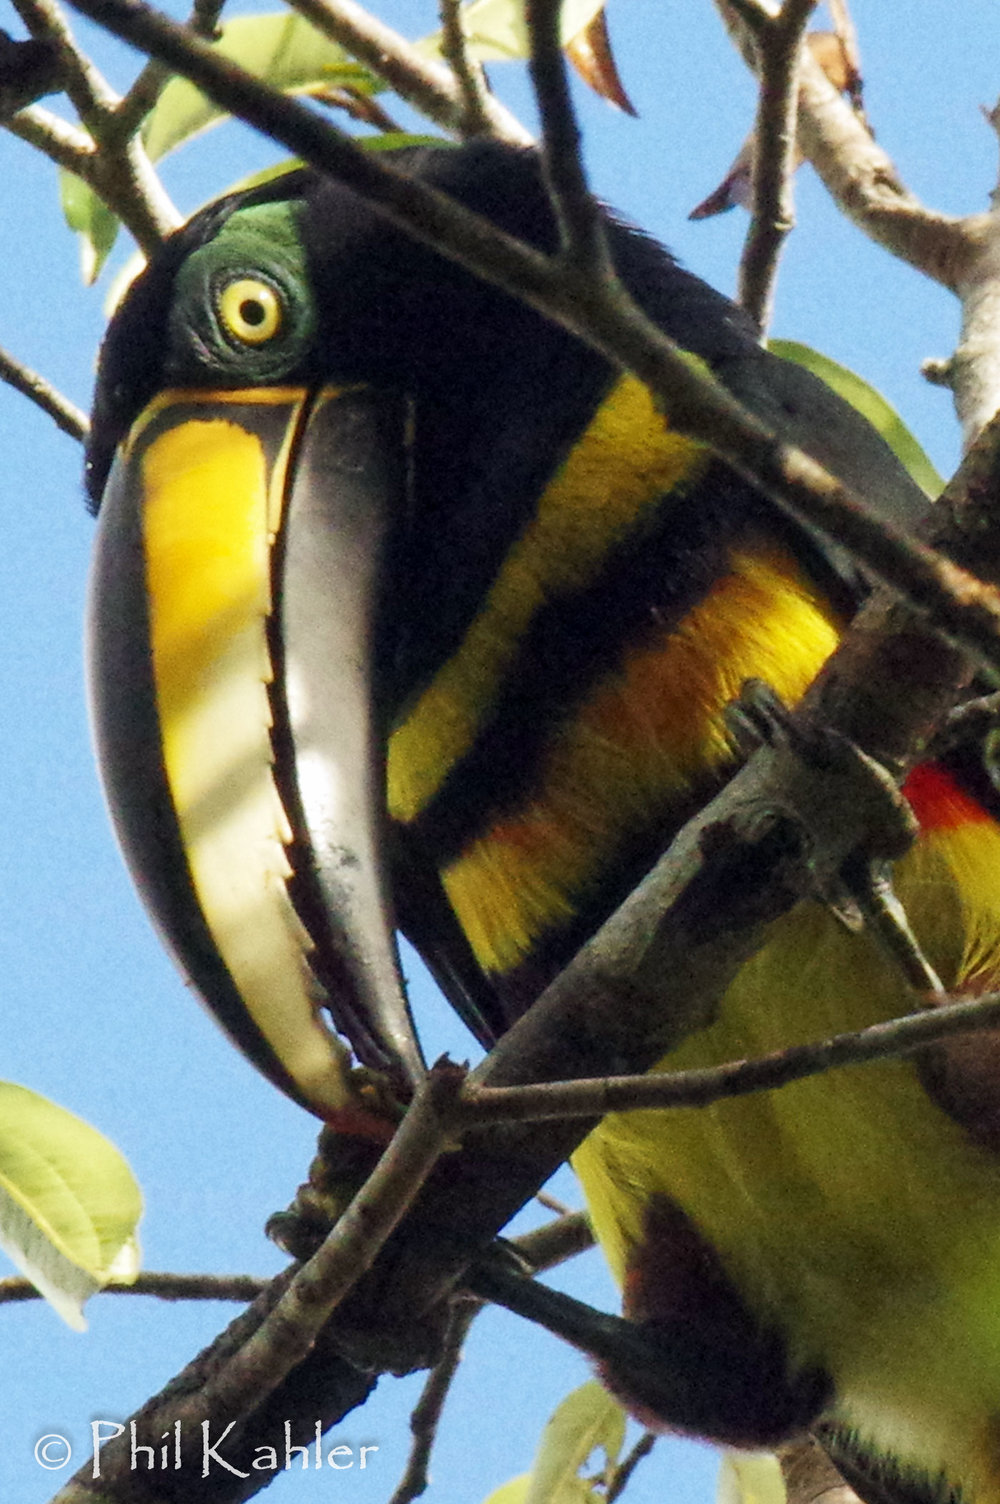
349,1250
598,311
242,1287
65,414
855,169
779,44
426,1416
429,87
737,1078
960,252
119,171
974,369
64,144
469,75
622,1474
866,184
583,247
963,254
122,176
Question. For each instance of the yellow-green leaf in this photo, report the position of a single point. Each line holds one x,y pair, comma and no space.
871,404
586,1420
497,31
69,1204
514,1491
750,1478
283,49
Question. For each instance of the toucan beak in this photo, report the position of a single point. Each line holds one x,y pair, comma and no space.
233,610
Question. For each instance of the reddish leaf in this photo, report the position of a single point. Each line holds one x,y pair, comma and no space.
590,53
734,189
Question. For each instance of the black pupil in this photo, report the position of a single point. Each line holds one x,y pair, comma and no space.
252,312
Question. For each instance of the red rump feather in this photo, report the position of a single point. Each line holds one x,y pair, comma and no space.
937,801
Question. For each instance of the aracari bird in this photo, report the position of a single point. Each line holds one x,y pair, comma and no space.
407,603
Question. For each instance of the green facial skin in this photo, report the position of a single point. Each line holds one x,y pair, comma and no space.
260,245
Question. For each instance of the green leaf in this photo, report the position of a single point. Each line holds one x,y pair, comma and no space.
497,31
282,49
750,1478
393,140
69,1204
586,1420
92,220
871,404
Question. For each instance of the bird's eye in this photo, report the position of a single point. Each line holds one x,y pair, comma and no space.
251,311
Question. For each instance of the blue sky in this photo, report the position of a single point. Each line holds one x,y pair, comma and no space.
97,1018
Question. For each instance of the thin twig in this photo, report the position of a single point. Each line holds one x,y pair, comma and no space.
65,414
738,1078
468,73
430,87
554,1242
147,88
581,228
619,1479
426,1416
597,311
240,1287
773,214
553,1204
